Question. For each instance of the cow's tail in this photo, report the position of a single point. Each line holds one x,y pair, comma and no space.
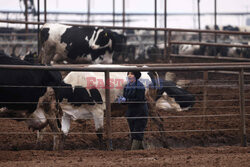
154,86
155,79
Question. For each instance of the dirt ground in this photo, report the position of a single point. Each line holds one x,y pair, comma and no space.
210,140
195,156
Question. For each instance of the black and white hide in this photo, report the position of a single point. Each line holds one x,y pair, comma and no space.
91,86
74,44
29,94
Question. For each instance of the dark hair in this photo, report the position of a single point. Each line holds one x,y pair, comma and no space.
137,74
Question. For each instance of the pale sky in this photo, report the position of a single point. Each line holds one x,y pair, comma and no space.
173,6
136,5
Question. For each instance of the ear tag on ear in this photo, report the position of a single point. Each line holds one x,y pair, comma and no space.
106,34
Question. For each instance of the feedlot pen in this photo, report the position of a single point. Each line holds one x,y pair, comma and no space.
220,115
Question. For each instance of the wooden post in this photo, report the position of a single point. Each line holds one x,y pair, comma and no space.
108,111
242,109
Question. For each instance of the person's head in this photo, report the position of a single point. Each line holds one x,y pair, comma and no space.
133,76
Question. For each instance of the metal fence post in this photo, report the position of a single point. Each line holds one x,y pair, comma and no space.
169,46
108,110
242,109
205,79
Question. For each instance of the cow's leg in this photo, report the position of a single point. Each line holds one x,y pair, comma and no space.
49,104
47,53
66,121
98,119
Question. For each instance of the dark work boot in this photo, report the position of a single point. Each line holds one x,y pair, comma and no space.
136,145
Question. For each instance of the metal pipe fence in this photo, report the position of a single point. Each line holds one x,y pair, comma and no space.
167,52
203,109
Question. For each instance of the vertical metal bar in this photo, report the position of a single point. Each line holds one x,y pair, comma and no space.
242,109
45,11
26,16
215,19
113,12
169,46
123,13
26,20
38,27
205,79
155,22
165,32
199,19
108,110
88,13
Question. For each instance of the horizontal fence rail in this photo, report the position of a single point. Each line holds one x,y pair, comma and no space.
202,117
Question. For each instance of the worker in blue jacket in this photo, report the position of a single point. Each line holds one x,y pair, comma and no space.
137,113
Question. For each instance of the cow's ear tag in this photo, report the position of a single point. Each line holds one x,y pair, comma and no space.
106,34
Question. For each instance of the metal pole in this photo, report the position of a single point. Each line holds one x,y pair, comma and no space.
113,12
123,13
215,19
169,46
199,18
108,110
26,20
242,109
155,22
88,13
38,27
165,32
205,79
45,11
26,16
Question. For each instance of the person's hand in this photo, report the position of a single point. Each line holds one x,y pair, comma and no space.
121,99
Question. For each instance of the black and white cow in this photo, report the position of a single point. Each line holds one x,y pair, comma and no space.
86,94
29,94
78,44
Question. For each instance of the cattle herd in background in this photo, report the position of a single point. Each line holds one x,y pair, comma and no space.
130,46
71,98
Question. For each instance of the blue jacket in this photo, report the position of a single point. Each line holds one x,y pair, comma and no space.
135,93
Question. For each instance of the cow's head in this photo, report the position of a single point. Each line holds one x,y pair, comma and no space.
101,38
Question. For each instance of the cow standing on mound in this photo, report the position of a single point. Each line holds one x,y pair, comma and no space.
29,94
78,44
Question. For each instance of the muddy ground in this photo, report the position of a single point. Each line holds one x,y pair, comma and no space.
197,137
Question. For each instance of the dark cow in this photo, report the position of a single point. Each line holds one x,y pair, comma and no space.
141,54
184,98
31,57
78,44
25,92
